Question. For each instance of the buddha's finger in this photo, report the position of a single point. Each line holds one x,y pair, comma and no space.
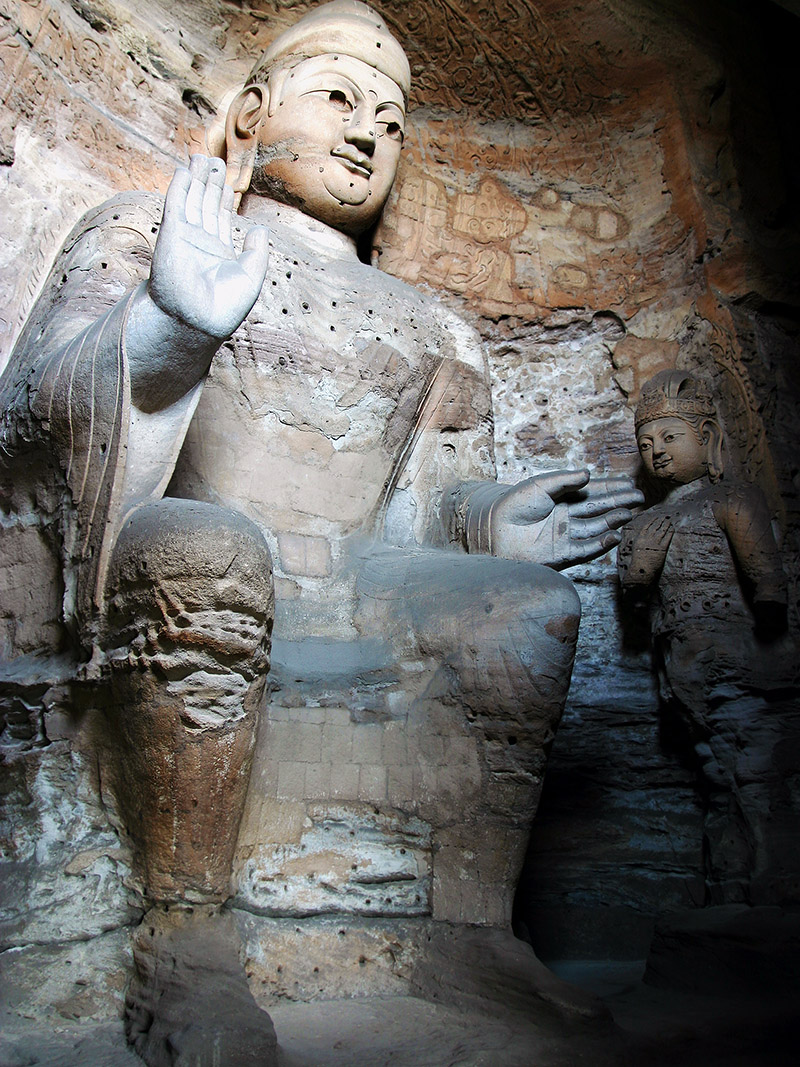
226,215
598,505
198,169
582,551
596,527
212,196
175,200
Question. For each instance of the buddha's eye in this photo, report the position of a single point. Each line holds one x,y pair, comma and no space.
395,131
338,100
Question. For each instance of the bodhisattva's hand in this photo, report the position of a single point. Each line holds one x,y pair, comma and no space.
196,275
648,550
561,518
199,290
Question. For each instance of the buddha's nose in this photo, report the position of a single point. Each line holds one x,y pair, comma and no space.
360,130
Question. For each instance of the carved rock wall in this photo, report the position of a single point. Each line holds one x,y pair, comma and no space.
603,188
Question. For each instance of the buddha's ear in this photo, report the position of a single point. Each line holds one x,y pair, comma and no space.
241,135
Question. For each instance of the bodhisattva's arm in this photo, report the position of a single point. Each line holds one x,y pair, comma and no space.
742,512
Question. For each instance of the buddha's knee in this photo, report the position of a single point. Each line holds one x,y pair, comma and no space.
509,631
533,610
190,582
516,655
528,590
188,622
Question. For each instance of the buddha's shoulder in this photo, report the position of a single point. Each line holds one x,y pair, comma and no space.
127,224
135,208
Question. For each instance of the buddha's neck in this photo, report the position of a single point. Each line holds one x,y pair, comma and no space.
266,212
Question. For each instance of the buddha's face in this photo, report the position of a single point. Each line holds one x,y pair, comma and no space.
672,451
331,142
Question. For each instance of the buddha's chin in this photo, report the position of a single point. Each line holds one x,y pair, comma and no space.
349,196
346,186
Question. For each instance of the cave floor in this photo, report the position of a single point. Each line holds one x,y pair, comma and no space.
650,1027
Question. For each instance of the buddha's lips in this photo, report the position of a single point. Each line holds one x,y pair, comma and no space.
354,161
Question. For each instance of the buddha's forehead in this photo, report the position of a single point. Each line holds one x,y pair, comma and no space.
332,69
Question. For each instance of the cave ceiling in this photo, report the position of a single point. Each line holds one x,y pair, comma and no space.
495,58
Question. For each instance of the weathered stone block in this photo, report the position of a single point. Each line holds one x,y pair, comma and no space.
304,555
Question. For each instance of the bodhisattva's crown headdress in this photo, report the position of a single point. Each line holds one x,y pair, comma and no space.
675,394
679,395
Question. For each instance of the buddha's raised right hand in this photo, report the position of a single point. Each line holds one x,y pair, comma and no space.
196,275
199,291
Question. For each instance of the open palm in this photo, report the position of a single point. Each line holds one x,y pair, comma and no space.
196,275
561,518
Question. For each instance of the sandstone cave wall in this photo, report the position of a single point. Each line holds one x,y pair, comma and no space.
603,189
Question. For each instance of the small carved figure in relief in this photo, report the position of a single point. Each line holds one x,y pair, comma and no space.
708,556
343,436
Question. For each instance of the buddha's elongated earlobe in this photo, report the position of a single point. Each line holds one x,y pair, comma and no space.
241,136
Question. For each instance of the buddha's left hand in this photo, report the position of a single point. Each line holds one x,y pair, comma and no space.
562,518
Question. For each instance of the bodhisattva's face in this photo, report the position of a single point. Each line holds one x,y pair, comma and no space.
332,143
671,451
